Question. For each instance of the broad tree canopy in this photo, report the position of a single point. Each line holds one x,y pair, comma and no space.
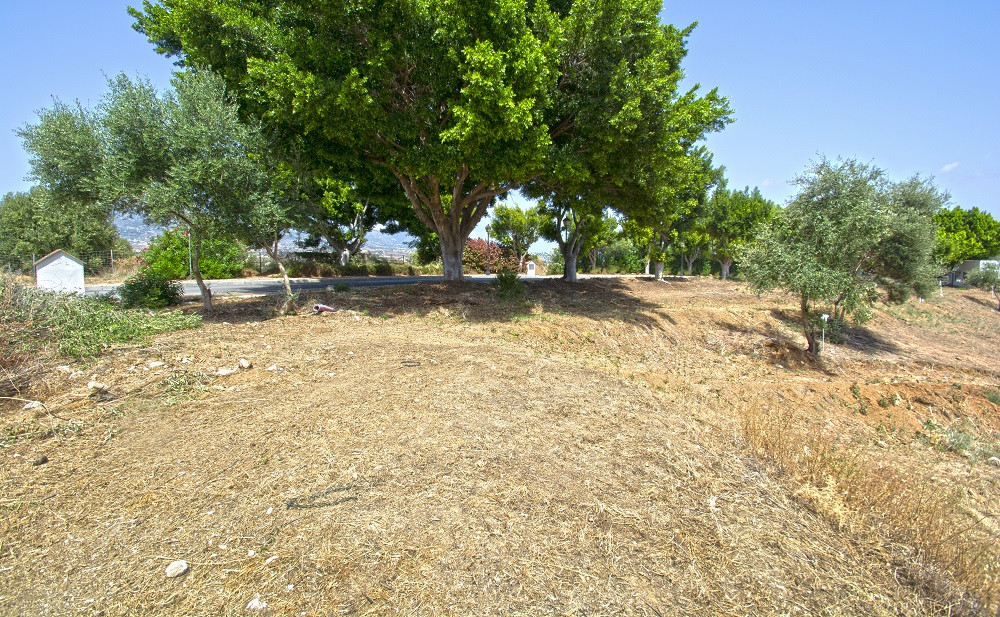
460,101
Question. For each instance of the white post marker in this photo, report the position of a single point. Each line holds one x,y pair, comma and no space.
825,318
941,288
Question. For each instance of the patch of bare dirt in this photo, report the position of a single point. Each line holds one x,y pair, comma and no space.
434,450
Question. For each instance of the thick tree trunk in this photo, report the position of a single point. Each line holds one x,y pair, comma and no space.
592,256
206,293
466,206
451,258
658,270
725,264
569,271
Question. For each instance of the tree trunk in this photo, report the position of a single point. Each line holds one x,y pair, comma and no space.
592,256
658,269
811,346
465,208
647,266
206,293
451,257
569,271
725,264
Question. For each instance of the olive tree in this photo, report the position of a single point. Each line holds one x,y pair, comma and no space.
846,230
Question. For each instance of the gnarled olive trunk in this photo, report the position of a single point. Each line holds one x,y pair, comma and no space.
812,346
206,293
272,251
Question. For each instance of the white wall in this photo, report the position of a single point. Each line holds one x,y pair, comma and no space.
60,274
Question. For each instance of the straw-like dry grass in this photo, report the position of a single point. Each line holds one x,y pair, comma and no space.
613,448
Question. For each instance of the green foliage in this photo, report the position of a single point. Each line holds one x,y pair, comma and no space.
76,326
965,234
993,396
733,220
515,229
167,256
460,102
148,289
847,228
508,285
35,223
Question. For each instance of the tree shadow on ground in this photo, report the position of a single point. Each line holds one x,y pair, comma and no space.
851,336
597,298
988,303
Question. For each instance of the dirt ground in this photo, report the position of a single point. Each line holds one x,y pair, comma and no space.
435,450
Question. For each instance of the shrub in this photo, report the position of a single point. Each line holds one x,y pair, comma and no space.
147,289
474,257
508,285
383,269
221,258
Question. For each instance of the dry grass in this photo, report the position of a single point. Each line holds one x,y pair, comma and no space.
431,450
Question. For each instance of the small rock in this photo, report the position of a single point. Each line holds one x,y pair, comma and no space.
257,604
32,405
156,364
273,367
270,560
245,364
41,459
62,368
76,375
993,461
185,360
882,444
176,568
97,386
251,553
222,372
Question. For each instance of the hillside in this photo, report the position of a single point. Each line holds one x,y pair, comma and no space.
620,447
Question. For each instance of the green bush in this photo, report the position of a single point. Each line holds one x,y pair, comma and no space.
167,256
148,289
508,285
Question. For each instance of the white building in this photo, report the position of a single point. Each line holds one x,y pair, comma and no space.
59,271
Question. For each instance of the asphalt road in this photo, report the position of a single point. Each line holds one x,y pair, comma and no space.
273,286
269,286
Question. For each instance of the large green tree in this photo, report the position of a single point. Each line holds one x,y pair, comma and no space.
733,220
187,159
447,95
515,229
846,230
461,101
965,234
65,209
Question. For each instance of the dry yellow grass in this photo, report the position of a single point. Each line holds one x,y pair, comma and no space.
614,448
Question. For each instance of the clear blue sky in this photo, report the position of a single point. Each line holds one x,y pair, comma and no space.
910,86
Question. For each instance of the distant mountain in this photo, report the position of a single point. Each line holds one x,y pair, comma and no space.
136,231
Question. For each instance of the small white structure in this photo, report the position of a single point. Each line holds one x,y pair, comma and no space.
59,271
530,270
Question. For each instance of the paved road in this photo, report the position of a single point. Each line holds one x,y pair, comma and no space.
269,286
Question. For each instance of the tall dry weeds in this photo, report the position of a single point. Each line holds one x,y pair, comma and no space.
950,551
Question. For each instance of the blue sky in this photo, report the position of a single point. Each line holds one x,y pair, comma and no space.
913,87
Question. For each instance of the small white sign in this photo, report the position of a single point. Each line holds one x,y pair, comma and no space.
530,269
